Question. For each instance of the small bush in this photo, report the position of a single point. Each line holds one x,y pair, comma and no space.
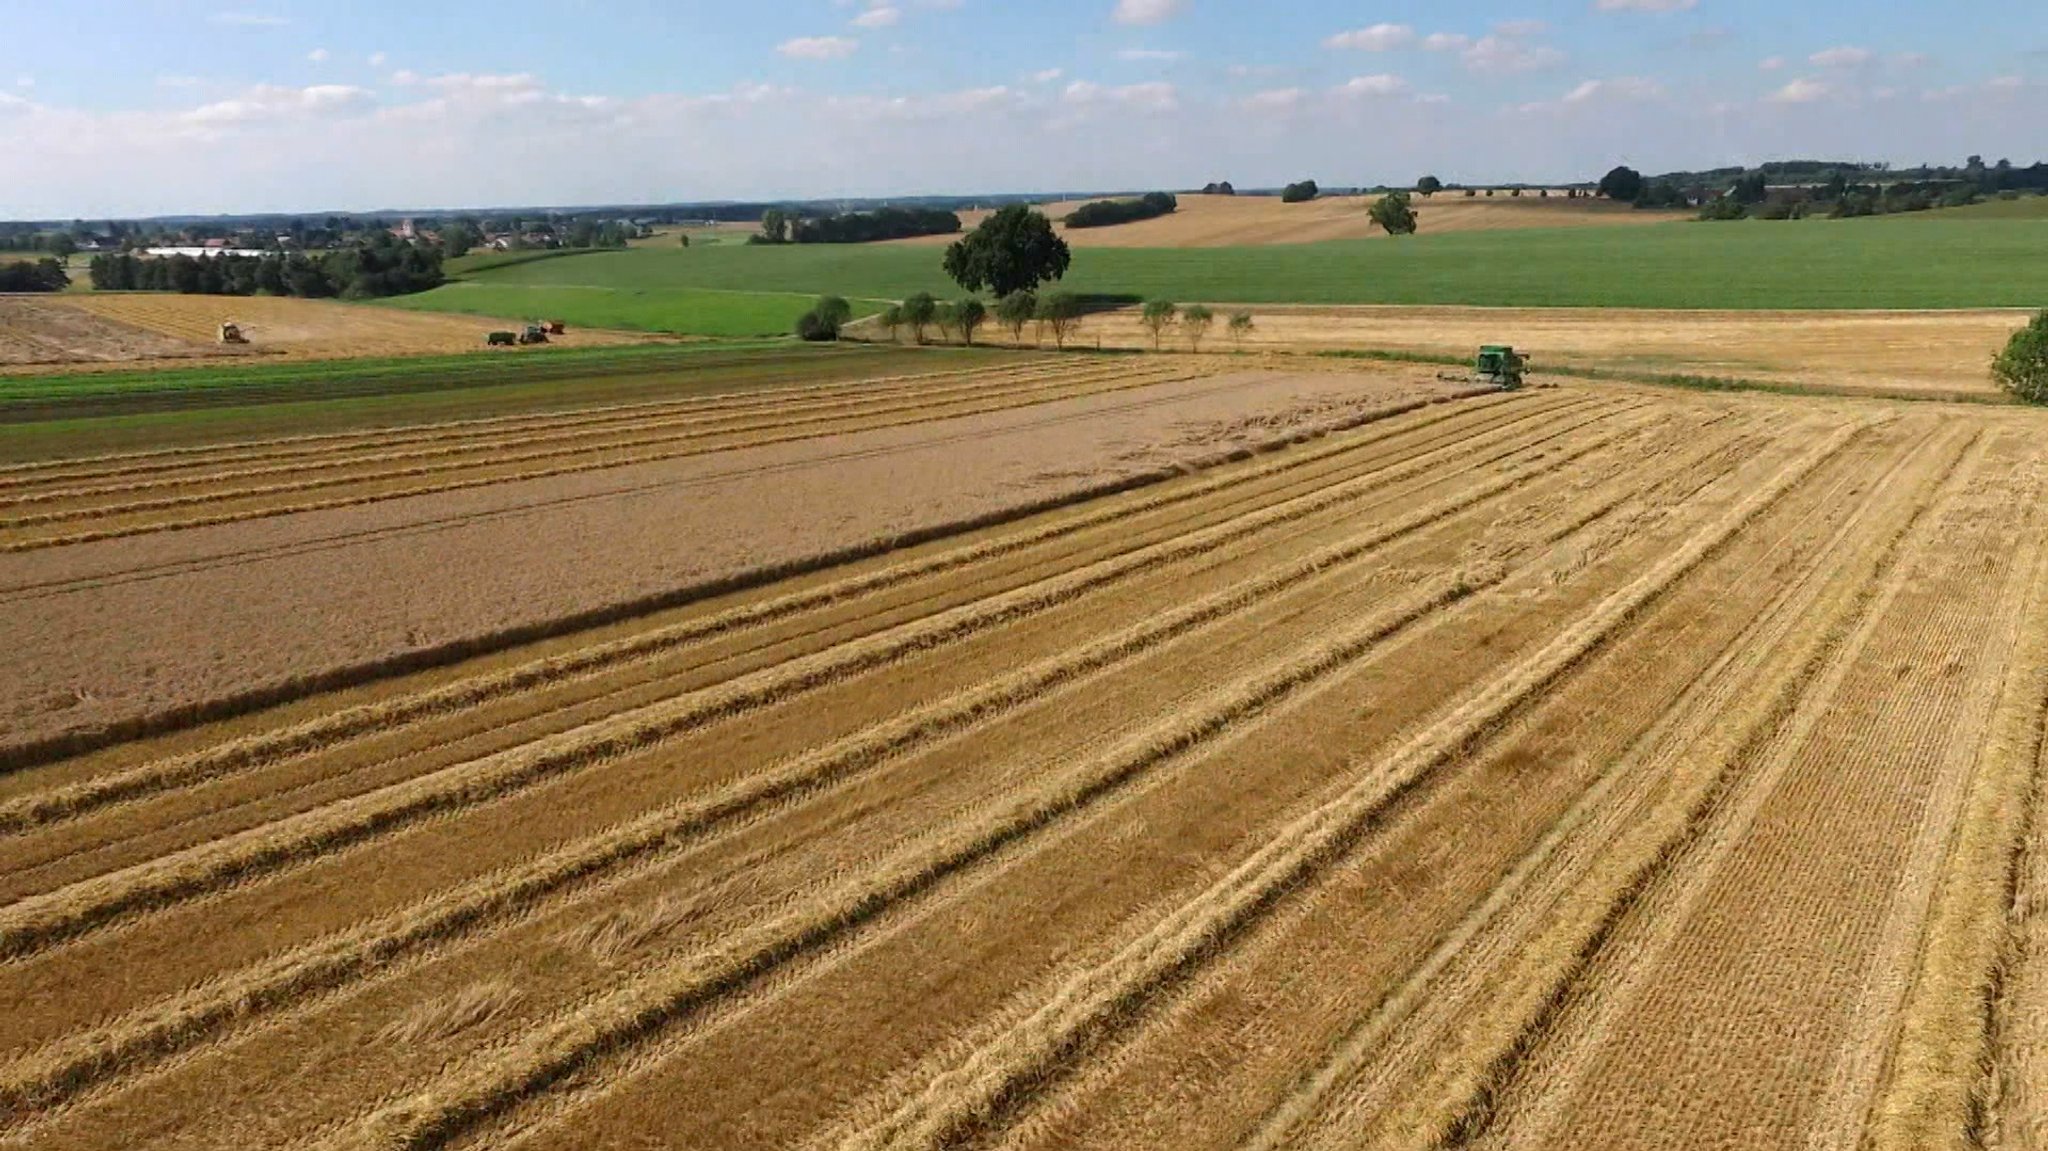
2022,368
816,328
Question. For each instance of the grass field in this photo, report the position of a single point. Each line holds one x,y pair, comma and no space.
546,291
1579,767
1875,263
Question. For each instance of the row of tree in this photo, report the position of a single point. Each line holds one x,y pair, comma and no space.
1104,213
44,275
1194,322
367,271
778,227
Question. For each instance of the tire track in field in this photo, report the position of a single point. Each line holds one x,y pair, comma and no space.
1022,398
742,397
32,924
639,1009
1584,999
37,809
55,1074
1939,1067
694,424
1542,908
973,1098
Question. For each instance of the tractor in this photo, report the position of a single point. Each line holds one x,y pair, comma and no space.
231,333
534,334
500,339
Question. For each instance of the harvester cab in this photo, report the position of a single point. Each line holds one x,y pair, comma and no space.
534,334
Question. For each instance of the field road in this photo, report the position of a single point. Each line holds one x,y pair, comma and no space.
1575,767
250,566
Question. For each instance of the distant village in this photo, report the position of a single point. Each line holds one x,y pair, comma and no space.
456,236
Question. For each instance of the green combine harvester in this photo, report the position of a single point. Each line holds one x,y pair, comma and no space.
1500,366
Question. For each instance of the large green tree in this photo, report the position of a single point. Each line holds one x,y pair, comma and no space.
1014,250
1395,213
1624,184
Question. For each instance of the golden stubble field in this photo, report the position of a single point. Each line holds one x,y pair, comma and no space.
1232,221
1584,767
136,329
1935,354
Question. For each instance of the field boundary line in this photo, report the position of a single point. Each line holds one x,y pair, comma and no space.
968,1101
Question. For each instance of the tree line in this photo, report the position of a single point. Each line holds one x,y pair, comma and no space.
778,227
1104,213
44,275
376,269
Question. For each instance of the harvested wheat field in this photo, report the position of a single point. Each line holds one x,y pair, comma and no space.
1236,221
132,329
1581,767
39,331
248,567
1932,354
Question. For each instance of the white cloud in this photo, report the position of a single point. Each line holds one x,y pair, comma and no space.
1507,54
1846,56
2006,83
271,102
1521,28
378,59
248,19
880,16
1147,12
1645,5
818,48
1801,91
1621,89
317,55
1909,59
1047,75
1446,42
1142,54
1372,86
1276,100
24,81
1770,64
1157,96
1378,38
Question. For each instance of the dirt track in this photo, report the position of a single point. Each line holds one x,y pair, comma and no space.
250,564
1481,776
1230,221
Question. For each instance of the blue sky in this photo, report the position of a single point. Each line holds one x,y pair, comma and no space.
148,106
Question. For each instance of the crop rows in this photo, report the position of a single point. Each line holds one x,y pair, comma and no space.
125,496
1467,778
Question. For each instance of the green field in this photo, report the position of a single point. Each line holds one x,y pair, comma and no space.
1884,262
557,295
